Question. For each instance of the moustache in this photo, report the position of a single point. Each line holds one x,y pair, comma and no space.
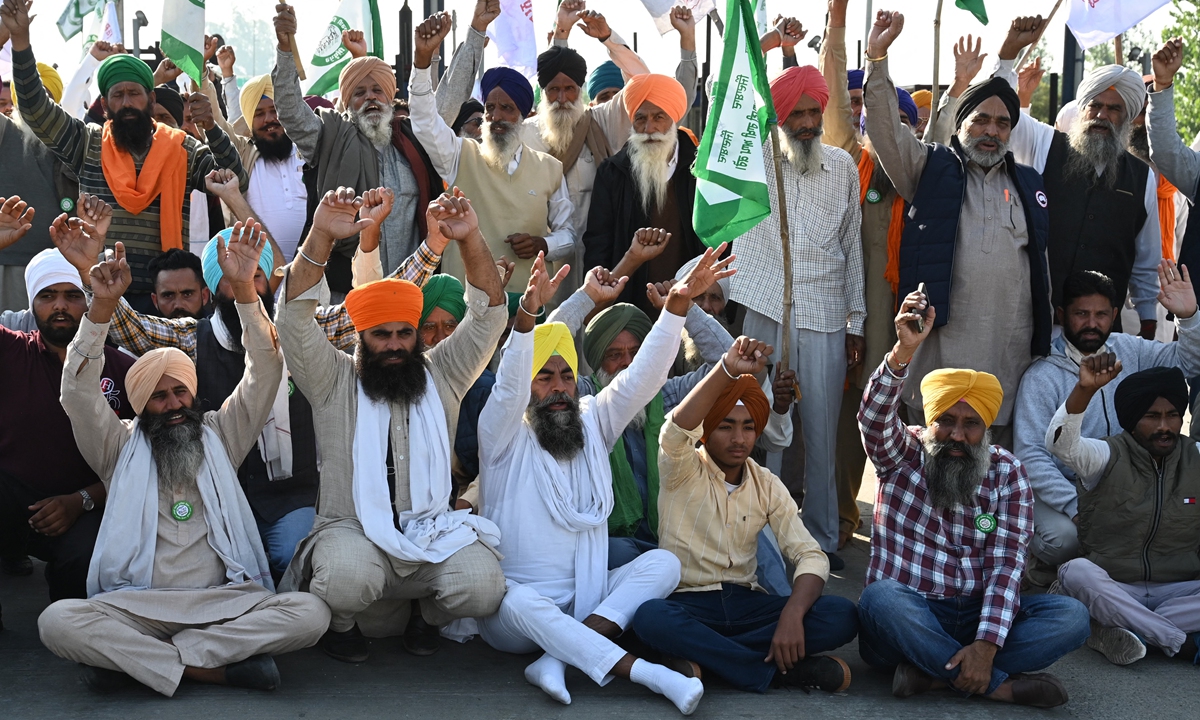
272,126
553,399
59,317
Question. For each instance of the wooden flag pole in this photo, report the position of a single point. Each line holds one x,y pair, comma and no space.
786,337
937,60
1029,50
296,56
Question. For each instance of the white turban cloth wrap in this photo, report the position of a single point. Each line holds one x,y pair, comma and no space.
1128,84
48,268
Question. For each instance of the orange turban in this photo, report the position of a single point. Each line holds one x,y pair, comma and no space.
941,389
143,377
663,91
385,301
361,70
746,391
789,85
923,98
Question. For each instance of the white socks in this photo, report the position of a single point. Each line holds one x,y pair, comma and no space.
549,674
684,692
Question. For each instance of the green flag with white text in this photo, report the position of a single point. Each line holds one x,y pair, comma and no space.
731,176
331,56
975,7
183,36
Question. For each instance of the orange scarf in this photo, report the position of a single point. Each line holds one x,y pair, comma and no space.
1166,217
866,169
163,173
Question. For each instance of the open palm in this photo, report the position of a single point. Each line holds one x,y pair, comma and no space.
239,259
708,271
16,219
77,240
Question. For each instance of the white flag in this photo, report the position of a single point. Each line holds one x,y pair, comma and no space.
331,56
512,34
660,10
183,36
1094,22
104,26
70,23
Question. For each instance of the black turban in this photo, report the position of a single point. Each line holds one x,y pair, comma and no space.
561,60
469,108
976,94
1140,390
172,101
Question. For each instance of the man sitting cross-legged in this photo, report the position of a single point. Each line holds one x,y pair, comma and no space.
547,483
1139,524
384,533
953,520
713,503
179,584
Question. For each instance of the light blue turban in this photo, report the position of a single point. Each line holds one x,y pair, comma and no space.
212,269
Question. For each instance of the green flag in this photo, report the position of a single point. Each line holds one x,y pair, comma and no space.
183,36
975,7
70,23
731,176
330,56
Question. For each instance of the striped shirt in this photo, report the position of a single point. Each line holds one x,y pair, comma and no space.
714,532
77,145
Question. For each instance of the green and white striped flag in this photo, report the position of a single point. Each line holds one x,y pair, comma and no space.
731,176
330,56
70,23
183,36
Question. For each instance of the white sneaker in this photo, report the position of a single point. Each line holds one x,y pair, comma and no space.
1118,645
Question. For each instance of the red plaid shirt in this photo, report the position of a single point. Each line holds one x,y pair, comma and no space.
944,553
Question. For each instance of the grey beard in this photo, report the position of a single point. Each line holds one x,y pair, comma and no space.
178,450
639,420
953,481
804,154
499,148
1096,151
556,121
970,146
559,432
650,157
378,129
1139,143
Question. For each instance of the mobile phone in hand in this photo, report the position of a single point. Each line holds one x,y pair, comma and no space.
920,323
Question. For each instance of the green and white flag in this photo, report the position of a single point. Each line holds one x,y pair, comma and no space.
70,23
330,56
183,36
731,176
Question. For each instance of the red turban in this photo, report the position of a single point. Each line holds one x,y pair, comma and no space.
787,88
385,301
362,70
746,391
663,91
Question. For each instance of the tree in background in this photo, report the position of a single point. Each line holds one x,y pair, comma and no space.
1185,23
1040,107
252,39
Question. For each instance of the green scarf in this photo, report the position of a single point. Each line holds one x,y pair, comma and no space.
628,510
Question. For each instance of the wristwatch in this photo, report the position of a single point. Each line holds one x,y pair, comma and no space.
88,502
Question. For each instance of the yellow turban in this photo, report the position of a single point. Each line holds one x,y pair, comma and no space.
941,389
385,301
553,339
143,377
252,94
51,81
361,70
923,98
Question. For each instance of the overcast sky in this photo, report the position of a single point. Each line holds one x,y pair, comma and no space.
911,58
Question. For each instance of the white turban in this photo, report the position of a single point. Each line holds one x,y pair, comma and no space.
1128,84
687,268
48,268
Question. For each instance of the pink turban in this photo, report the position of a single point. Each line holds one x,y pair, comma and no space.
787,88
663,91
362,70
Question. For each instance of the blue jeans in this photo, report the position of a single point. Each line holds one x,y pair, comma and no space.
772,573
729,631
281,537
899,624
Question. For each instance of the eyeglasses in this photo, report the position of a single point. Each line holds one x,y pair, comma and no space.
477,122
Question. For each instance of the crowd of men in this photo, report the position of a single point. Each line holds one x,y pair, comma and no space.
281,372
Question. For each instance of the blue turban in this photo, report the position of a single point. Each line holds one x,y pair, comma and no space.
854,78
513,83
907,106
212,269
606,76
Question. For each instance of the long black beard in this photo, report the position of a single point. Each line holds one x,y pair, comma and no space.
58,337
274,150
559,432
1139,143
132,130
404,383
178,450
953,481
226,308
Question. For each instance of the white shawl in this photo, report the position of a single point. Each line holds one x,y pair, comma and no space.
123,558
430,532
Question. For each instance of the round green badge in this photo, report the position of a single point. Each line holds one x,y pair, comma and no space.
873,196
182,511
291,387
67,204
985,523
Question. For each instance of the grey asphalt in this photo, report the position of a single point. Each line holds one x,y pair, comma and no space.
474,682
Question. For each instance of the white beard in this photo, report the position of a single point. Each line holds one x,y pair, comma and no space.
1097,151
556,122
499,149
805,156
649,156
377,128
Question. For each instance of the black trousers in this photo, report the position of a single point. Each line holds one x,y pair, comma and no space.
67,556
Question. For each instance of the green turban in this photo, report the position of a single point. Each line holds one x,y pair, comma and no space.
123,68
445,292
605,327
513,299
